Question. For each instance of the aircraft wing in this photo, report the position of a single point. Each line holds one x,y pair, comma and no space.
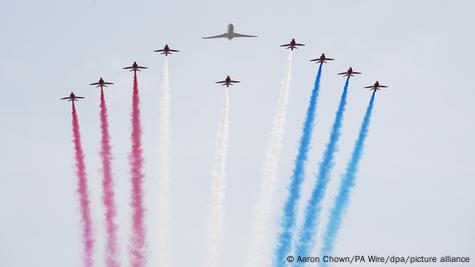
355,72
371,86
235,81
221,82
64,98
224,35
79,97
285,45
127,68
159,50
173,50
243,35
300,44
342,73
94,84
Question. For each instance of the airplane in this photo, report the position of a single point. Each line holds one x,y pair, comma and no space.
322,59
228,81
230,34
349,73
166,50
292,45
72,97
134,67
101,83
376,86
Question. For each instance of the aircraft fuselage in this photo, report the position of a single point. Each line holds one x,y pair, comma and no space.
230,31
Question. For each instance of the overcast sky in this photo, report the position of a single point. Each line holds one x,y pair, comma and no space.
414,192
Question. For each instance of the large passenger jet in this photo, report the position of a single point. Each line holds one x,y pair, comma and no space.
230,34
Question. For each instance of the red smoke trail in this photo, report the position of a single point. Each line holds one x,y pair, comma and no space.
87,238
108,189
137,239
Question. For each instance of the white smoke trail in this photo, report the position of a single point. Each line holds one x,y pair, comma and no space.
260,248
216,208
163,228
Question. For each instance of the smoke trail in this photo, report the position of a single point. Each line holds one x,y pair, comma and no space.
164,170
259,248
216,209
137,239
111,257
347,183
312,210
87,235
289,213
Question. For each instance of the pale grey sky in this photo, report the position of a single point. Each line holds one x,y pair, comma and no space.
414,193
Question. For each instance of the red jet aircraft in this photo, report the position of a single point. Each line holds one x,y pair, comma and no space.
376,86
134,67
101,83
72,97
349,73
166,50
228,81
322,59
292,45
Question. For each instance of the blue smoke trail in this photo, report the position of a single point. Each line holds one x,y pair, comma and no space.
312,210
289,213
347,183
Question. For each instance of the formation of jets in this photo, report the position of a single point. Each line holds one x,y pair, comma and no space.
229,34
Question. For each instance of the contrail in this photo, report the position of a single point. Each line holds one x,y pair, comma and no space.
347,183
87,234
313,208
137,238
164,170
111,257
216,208
259,247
